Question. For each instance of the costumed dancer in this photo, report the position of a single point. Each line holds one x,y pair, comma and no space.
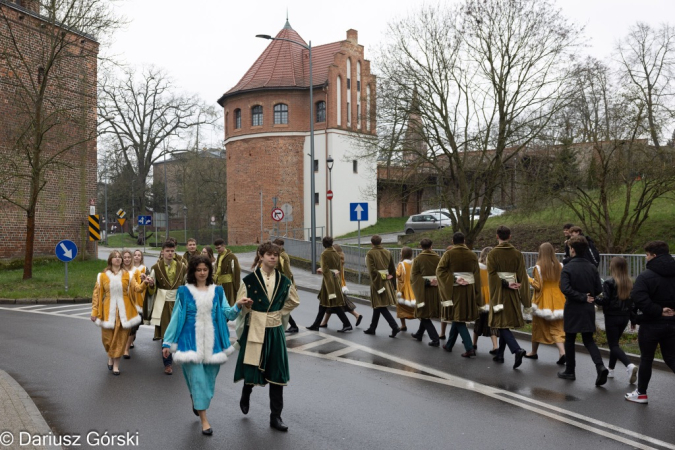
113,310
460,285
425,287
330,296
197,334
349,307
482,327
137,290
191,251
166,276
208,252
263,357
405,309
284,266
228,272
548,303
509,292
380,266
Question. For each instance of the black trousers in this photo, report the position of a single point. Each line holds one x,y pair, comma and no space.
649,336
506,338
291,322
334,310
428,326
589,343
276,398
614,327
384,312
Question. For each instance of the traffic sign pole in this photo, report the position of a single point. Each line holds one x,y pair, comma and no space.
359,243
66,277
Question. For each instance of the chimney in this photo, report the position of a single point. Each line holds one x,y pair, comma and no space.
353,36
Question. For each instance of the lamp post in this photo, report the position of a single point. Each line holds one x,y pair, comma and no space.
329,163
312,233
185,222
166,199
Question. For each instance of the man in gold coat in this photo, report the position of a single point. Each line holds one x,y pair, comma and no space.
228,272
425,287
509,291
284,266
380,266
459,281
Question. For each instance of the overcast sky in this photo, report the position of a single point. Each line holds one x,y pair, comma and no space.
207,45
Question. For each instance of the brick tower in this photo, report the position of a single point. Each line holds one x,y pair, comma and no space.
267,137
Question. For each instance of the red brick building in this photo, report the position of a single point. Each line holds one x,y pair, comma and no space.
267,136
70,115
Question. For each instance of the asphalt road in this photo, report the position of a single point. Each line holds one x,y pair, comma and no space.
347,391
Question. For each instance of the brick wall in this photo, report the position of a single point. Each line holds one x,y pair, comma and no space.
64,203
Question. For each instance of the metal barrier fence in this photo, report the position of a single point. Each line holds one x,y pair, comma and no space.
355,257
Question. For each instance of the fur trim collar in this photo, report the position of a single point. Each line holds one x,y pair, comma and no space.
116,304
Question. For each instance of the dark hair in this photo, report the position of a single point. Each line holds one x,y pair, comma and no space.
579,244
209,251
406,253
113,254
577,230
192,268
172,239
426,243
657,248
192,240
168,244
567,226
376,239
280,242
327,241
504,233
268,247
458,238
218,241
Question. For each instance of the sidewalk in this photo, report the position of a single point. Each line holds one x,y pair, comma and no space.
19,414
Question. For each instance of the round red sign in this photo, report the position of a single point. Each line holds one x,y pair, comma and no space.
329,195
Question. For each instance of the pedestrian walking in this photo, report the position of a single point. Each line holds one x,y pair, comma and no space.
548,304
349,307
191,251
580,283
198,336
405,308
566,231
137,290
380,266
284,266
482,325
425,288
113,310
228,272
654,297
592,254
208,252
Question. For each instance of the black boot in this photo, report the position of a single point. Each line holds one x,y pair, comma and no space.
602,374
278,424
245,398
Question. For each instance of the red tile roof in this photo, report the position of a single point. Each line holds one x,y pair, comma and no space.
284,64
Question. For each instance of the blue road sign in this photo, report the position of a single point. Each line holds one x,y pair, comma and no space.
144,220
66,250
358,212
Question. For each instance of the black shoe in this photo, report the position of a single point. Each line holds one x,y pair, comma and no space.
244,402
358,321
368,331
132,345
442,337
447,348
493,351
207,432
499,359
126,356
469,354
404,328
535,356
602,376
109,366
156,338
347,328
475,347
394,332
278,424
562,361
313,328
292,330
519,358
323,326
566,376
434,344
117,372
416,336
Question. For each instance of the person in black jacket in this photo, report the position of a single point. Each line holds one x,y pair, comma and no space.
654,296
566,231
591,252
616,306
580,283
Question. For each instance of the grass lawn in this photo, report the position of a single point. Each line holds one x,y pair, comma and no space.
123,240
388,225
49,280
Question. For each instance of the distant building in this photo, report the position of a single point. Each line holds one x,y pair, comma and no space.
267,137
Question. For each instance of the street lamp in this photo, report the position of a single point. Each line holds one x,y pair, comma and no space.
185,222
312,233
329,163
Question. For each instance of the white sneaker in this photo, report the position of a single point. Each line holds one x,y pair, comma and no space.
632,370
636,397
611,373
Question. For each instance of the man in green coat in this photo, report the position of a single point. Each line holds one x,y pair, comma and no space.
425,286
228,272
380,266
330,296
284,266
459,282
509,292
263,357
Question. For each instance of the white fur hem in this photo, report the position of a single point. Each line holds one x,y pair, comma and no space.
192,356
547,313
410,303
131,323
139,309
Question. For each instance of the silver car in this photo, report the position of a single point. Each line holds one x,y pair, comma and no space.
426,222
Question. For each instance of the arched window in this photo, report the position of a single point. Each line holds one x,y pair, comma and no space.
349,73
280,114
349,92
321,111
237,119
257,116
338,103
368,108
358,76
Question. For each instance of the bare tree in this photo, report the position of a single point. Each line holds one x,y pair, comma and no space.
473,85
145,117
38,58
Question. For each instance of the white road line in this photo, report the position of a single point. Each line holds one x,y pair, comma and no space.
342,351
298,335
87,313
46,313
313,344
61,307
29,306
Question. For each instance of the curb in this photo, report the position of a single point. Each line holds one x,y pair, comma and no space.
33,301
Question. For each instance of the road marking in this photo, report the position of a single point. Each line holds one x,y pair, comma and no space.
303,347
298,335
60,307
47,313
342,351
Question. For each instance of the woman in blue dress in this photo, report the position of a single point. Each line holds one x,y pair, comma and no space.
198,334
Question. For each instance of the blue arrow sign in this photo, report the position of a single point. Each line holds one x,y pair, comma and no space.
66,250
358,212
144,220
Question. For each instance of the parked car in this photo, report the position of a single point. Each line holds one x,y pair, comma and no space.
426,222
475,211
